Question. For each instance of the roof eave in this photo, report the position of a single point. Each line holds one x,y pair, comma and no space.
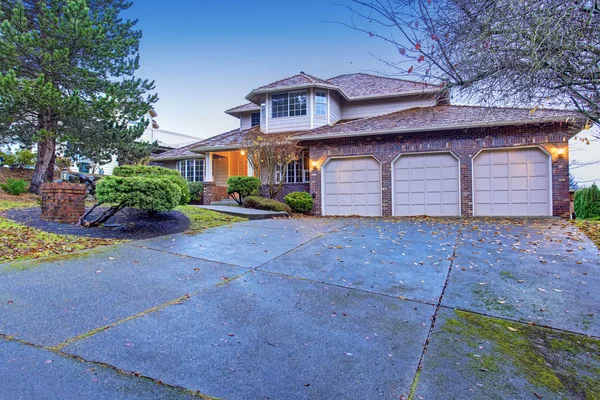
216,148
428,129
178,158
256,92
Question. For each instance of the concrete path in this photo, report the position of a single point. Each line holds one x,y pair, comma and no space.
249,213
312,308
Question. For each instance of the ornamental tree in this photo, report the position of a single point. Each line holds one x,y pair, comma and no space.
67,74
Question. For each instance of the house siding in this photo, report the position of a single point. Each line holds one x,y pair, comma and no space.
464,144
245,121
375,107
335,110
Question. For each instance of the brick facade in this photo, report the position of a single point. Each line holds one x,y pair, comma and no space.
464,144
63,202
212,192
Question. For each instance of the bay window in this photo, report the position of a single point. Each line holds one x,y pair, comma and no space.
291,104
320,103
191,170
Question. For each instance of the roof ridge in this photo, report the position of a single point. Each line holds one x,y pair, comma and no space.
382,76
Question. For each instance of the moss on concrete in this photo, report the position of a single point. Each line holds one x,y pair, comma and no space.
201,219
566,364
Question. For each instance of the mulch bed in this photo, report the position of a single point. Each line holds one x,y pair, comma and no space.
128,224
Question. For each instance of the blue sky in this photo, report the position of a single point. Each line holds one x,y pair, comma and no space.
207,56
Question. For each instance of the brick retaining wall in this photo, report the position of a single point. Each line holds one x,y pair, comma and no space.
63,202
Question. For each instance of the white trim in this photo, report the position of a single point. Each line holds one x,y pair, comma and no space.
550,200
429,128
208,170
328,107
267,112
345,157
312,110
426,153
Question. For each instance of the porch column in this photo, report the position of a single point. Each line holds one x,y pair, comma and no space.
250,169
208,172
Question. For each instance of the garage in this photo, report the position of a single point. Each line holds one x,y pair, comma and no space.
512,182
426,184
352,186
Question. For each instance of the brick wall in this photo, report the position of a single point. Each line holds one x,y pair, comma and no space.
288,188
464,144
212,192
63,202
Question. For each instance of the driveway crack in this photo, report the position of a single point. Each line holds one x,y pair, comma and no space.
415,382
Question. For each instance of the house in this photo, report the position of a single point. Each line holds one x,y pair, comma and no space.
379,146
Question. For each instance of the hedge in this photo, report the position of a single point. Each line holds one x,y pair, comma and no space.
240,187
260,203
587,203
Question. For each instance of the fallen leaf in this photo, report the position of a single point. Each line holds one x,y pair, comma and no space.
512,329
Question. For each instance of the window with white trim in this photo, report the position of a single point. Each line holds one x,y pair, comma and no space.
191,170
297,171
291,104
254,119
263,112
320,103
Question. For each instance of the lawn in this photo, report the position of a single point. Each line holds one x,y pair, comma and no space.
590,228
18,242
201,219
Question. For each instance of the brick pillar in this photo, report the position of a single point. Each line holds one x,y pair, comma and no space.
63,202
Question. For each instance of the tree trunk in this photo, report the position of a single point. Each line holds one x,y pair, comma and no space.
46,153
50,173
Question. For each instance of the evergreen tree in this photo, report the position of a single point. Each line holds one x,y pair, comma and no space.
67,74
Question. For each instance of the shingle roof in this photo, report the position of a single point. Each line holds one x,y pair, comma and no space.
361,85
237,139
442,117
180,153
296,80
243,108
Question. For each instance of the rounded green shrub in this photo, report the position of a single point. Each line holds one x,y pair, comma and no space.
240,187
14,187
151,194
260,203
145,171
300,202
587,203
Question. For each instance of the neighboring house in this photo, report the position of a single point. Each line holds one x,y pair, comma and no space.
378,146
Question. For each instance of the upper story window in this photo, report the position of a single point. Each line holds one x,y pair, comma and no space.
191,170
263,112
321,103
255,119
291,104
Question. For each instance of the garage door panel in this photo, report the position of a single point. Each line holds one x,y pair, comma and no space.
352,187
512,182
431,182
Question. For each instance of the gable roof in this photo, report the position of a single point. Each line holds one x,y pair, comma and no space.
364,85
299,79
237,139
442,117
181,153
243,108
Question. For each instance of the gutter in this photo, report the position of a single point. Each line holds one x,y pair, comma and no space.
197,156
426,129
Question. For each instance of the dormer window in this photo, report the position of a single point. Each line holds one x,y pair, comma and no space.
255,119
291,104
320,103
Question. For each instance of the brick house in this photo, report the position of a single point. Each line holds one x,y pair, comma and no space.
379,146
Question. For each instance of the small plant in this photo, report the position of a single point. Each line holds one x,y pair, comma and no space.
300,202
240,187
587,203
261,203
14,187
196,190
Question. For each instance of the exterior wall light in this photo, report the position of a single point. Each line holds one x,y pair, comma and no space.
64,175
560,152
243,152
314,164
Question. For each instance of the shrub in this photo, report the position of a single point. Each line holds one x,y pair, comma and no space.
587,203
151,194
127,171
240,187
260,203
14,187
300,202
196,190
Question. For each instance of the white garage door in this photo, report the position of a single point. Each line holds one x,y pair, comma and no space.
512,182
426,184
352,186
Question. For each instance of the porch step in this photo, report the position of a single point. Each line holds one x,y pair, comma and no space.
227,202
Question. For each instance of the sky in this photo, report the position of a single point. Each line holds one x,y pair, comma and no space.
206,56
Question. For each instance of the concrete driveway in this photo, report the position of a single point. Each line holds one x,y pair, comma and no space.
311,309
